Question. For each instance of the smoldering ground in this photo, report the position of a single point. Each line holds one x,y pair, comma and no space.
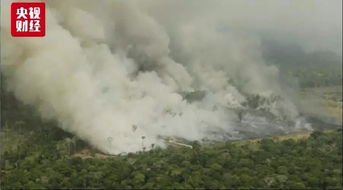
114,71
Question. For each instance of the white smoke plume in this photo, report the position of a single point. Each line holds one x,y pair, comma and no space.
112,72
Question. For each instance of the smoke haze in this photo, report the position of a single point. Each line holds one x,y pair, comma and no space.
112,72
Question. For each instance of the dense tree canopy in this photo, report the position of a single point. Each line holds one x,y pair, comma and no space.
35,162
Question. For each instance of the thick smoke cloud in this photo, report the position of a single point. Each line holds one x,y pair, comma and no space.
112,72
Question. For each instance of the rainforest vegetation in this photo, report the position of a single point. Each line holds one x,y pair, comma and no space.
37,154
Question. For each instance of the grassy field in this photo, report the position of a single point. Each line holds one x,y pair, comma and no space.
329,100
